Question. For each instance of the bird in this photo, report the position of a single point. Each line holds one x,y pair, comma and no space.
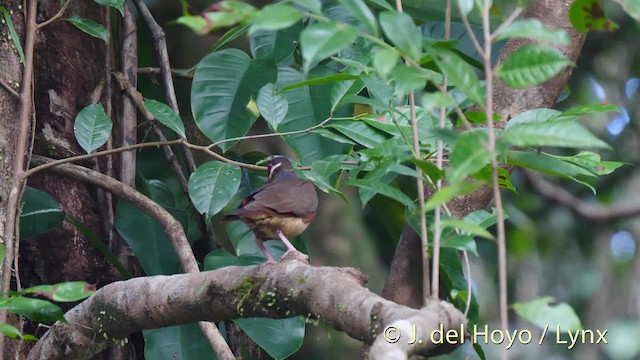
279,210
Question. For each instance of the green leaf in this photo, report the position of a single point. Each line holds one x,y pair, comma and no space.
116,4
560,133
229,36
322,174
333,136
447,193
177,342
588,109
385,60
407,79
462,75
92,127
362,12
531,65
275,17
428,168
63,292
383,189
10,331
227,14
163,113
220,258
222,87
12,32
467,227
591,162
469,155
275,44
147,239
458,241
589,15
40,213
315,6
89,27
402,31
544,315
279,338
359,132
212,186
321,40
536,30
308,106
533,116
272,106
35,309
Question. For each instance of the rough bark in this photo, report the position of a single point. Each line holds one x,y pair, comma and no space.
335,296
507,103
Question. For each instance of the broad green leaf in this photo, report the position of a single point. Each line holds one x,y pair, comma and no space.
12,32
272,106
531,65
589,15
220,258
383,189
428,168
362,12
384,60
592,162
227,14
588,109
116,4
321,40
35,309
534,29
462,75
467,227
89,27
10,331
92,127
453,277
559,133
359,132
275,17
447,193
308,106
469,155
223,85
163,113
407,79
148,239
335,136
458,241
543,314
314,6
274,44
322,174
177,342
63,292
280,338
402,31
40,213
212,186
533,116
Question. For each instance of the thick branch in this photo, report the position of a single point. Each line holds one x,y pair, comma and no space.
335,296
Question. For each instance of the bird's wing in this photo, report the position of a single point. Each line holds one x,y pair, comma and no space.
296,197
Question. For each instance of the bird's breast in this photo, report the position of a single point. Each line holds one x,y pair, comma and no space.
266,227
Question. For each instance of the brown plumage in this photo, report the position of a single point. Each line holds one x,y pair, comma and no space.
281,209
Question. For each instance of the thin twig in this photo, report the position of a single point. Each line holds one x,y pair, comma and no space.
9,89
514,15
260,136
158,71
55,17
472,35
18,183
437,224
491,147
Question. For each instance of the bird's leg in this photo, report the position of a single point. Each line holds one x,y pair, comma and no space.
287,243
260,243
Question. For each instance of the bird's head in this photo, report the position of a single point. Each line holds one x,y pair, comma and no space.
279,168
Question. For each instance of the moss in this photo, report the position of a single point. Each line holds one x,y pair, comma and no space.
340,307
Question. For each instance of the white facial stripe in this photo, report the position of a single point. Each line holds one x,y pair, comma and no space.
273,168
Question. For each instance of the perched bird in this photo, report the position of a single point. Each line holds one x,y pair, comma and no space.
281,209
